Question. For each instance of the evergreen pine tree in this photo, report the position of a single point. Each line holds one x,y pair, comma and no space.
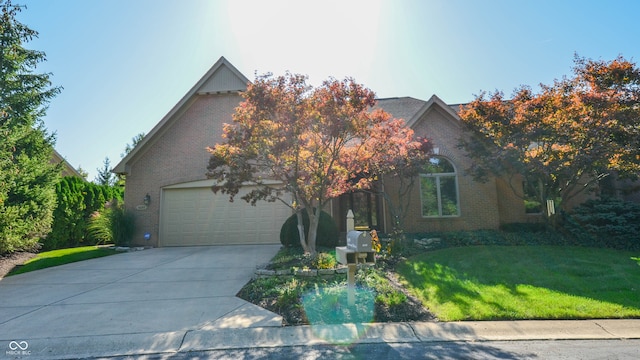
27,177
105,176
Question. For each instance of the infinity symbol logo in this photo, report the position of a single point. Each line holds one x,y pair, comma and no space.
22,345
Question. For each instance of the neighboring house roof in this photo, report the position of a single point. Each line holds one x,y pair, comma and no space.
458,107
222,77
411,109
67,169
401,107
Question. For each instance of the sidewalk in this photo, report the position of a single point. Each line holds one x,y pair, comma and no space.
221,338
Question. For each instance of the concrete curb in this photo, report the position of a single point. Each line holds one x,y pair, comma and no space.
341,334
411,332
81,347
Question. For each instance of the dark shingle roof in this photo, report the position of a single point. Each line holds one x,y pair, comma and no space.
456,107
401,108
407,107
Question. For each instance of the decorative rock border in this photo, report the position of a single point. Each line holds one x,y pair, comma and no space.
264,273
127,248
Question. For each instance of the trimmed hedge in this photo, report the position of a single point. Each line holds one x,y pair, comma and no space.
524,227
77,201
327,231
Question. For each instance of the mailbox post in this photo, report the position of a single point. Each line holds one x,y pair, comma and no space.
358,251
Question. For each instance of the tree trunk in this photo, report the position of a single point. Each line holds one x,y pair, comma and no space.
314,220
303,240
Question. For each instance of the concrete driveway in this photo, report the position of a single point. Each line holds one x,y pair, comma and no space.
134,301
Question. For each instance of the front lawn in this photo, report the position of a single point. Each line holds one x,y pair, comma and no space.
61,257
524,282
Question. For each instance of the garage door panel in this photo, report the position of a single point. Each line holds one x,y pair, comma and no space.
197,216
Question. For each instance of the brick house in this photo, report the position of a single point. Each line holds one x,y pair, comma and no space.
168,191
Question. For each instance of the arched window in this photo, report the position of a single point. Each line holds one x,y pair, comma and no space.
439,189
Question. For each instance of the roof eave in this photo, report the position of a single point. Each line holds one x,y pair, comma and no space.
433,101
60,159
123,166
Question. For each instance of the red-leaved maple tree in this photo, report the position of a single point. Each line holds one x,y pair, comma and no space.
564,139
305,145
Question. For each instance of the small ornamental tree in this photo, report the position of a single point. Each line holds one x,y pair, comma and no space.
564,139
312,143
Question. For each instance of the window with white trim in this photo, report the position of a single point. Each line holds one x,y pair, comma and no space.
439,189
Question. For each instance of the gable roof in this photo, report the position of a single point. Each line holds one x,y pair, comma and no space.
222,77
411,109
67,169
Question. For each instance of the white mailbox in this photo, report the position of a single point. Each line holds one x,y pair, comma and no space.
348,256
359,241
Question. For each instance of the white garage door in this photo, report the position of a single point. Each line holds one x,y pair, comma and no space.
197,216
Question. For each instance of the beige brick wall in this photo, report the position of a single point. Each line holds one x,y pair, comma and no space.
511,203
478,201
177,155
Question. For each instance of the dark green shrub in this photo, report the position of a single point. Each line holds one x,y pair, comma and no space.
607,222
77,200
523,227
68,216
327,231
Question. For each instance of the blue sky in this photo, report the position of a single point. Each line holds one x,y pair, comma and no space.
124,64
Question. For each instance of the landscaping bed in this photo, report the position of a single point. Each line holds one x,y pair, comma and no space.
11,261
302,300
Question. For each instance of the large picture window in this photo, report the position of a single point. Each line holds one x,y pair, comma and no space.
439,189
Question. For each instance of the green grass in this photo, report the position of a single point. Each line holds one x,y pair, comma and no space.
525,282
60,257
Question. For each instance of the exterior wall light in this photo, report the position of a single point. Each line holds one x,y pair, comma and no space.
147,199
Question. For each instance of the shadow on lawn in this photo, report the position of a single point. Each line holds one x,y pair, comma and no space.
465,277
